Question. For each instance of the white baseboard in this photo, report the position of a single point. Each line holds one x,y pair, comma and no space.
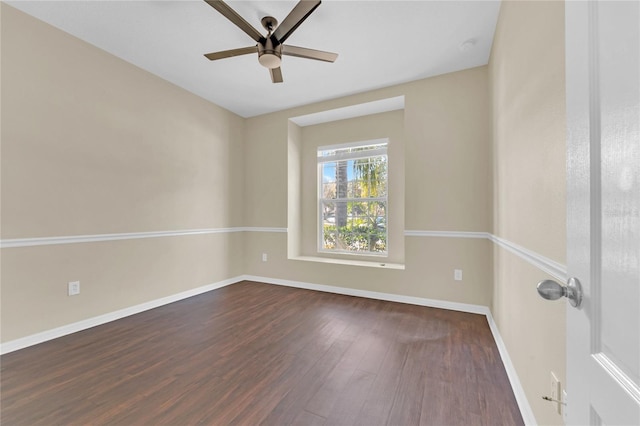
54,333
432,303
518,390
523,404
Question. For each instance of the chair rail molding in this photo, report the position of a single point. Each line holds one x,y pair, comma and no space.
74,239
553,268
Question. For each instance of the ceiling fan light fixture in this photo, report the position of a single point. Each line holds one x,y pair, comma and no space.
269,56
269,60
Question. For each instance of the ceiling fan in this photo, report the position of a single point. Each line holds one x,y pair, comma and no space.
270,48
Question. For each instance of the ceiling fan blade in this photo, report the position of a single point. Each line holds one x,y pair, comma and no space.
276,75
303,52
233,16
233,52
300,12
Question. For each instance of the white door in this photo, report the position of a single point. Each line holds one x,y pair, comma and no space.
603,207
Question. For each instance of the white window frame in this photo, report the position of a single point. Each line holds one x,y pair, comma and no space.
375,152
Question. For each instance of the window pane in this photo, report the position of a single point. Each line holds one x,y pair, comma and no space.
341,214
352,189
329,237
342,179
328,213
329,190
379,209
329,172
362,227
380,181
372,175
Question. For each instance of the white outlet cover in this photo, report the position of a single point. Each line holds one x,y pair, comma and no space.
74,288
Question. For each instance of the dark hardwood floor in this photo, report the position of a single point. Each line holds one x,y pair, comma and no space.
254,353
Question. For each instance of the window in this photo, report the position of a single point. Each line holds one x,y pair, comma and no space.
352,198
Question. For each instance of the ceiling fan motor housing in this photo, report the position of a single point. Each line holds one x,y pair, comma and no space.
270,53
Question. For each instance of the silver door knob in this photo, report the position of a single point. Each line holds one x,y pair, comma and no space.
551,290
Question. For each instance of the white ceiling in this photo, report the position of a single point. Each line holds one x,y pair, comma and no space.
380,43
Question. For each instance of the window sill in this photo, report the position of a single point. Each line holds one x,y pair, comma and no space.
365,263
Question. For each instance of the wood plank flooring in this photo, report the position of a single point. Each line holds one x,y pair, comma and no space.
254,353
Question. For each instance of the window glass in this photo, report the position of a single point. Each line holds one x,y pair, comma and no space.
353,198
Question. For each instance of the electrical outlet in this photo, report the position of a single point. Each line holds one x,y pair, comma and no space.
74,288
457,274
264,257
556,394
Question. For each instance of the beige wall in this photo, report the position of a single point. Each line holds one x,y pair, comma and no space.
448,153
429,268
447,187
93,145
113,275
526,73
294,190
99,146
